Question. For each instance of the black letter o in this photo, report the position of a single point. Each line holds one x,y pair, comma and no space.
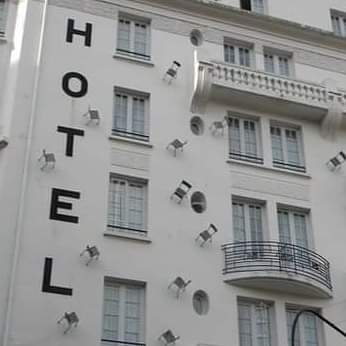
83,81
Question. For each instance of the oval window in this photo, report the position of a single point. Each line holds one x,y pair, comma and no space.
196,38
200,302
197,126
198,202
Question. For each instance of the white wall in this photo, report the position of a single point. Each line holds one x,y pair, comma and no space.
172,228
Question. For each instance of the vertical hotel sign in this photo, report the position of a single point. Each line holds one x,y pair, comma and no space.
56,204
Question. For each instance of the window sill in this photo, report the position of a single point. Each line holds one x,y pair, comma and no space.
127,235
132,59
270,169
130,141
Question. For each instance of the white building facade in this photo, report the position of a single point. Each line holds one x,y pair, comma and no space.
172,169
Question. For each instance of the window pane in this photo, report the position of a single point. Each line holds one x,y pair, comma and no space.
234,135
283,66
258,6
284,227
292,147
262,325
117,203
141,38
300,230
124,34
344,23
132,314
269,63
120,112
290,315
138,115
336,25
245,328
238,222
310,330
136,206
250,138
255,213
229,54
277,144
244,57
111,312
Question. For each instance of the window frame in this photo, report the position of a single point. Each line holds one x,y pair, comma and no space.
247,204
122,286
131,52
339,18
292,212
252,6
300,326
284,163
124,226
242,156
237,45
253,304
3,17
129,131
277,55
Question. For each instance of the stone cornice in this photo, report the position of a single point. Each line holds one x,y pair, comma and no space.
280,27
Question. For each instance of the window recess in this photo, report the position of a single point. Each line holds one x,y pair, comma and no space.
131,114
244,141
123,314
127,205
287,148
133,37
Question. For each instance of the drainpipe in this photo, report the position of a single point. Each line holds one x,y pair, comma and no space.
23,191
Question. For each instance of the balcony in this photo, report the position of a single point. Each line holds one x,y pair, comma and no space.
238,86
277,266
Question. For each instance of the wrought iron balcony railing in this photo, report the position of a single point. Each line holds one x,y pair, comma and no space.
276,257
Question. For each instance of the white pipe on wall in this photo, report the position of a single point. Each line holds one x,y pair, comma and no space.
21,208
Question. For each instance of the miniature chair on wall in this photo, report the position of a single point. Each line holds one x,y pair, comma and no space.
172,72
336,161
92,252
71,320
179,285
181,191
48,160
168,338
93,116
218,127
175,145
206,235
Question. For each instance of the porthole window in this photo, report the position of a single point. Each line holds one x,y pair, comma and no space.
196,38
197,126
198,202
200,302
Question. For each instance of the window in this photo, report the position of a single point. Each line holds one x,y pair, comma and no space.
293,227
237,54
277,63
127,204
253,5
308,329
244,139
247,221
131,114
339,23
287,148
123,314
2,17
133,37
255,323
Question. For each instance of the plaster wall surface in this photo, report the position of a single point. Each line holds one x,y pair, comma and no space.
172,228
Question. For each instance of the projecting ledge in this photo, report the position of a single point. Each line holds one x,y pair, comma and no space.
276,266
279,282
261,91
